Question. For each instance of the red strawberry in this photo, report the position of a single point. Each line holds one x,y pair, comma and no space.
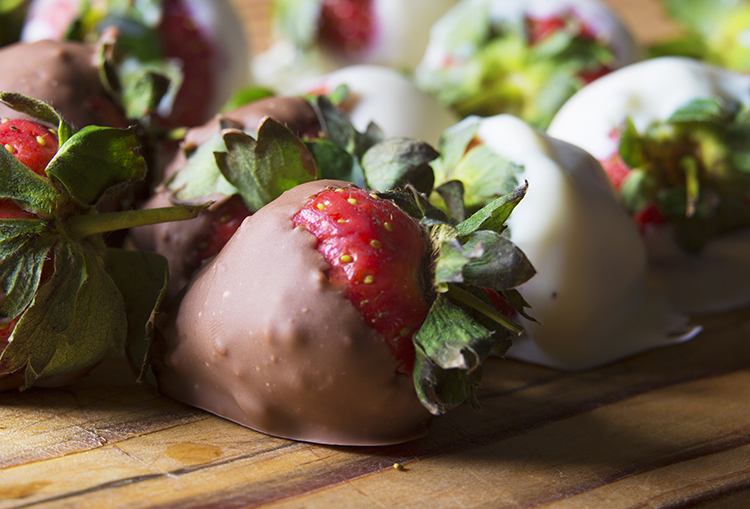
540,29
616,169
309,332
223,222
35,146
346,26
650,214
377,253
182,39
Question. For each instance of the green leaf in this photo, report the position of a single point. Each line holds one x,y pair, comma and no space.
39,110
144,85
493,215
452,194
395,162
452,146
142,280
333,162
704,110
245,96
631,147
76,320
96,159
339,129
262,170
501,264
638,190
451,347
485,175
452,255
31,191
23,251
201,176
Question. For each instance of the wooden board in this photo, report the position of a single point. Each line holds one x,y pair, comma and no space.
666,429
669,428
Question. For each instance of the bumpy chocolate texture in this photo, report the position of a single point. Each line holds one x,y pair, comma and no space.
262,338
178,241
63,74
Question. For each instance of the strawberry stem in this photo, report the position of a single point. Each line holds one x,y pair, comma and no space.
79,227
463,297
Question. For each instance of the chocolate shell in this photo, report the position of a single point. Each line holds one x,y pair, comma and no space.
261,337
178,241
63,74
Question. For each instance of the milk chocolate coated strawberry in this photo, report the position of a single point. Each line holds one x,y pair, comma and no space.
67,301
308,322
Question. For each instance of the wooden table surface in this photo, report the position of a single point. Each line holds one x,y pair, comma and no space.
666,429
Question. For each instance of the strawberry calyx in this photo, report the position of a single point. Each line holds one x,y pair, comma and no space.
528,69
689,171
55,270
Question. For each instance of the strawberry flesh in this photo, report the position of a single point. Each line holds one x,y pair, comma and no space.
31,143
224,222
346,26
539,29
376,253
182,39
35,146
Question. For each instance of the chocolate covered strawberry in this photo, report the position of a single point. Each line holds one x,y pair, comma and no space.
247,157
55,270
199,46
65,75
344,316
521,57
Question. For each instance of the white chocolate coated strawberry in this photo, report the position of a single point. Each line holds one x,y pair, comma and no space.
589,293
719,278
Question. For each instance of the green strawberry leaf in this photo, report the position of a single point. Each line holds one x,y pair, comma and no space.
631,146
144,85
39,110
395,162
94,160
77,319
500,265
453,256
201,176
23,249
31,191
333,162
484,174
705,110
143,296
493,215
340,130
452,146
452,195
245,96
451,348
262,170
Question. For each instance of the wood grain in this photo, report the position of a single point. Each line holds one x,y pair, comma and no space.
669,429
